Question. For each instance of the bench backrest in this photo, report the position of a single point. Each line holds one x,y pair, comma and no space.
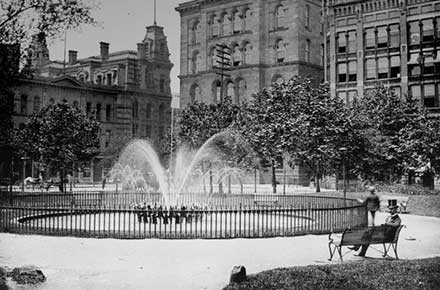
371,235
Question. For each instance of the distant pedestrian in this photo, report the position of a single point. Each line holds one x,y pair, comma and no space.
373,203
104,180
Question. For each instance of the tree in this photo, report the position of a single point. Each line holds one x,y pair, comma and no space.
395,129
59,137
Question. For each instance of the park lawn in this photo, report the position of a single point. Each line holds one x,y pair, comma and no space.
361,275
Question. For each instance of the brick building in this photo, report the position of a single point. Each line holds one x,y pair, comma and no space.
395,43
269,40
128,92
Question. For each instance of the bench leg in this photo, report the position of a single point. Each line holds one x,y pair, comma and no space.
340,252
395,250
385,250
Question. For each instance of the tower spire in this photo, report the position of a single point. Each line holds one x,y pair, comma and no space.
155,22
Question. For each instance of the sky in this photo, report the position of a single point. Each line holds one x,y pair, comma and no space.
122,24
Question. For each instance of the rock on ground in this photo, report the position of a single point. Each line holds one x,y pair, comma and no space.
27,275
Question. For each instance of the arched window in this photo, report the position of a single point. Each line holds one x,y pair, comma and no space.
247,53
211,58
135,109
149,80
216,91
230,90
241,91
236,21
279,17
308,44
162,84
194,31
226,24
280,51
194,62
195,93
215,26
236,56
247,19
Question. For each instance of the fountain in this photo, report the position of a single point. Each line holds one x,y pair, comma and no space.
140,158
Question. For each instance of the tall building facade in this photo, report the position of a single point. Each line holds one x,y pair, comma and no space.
127,91
269,41
395,43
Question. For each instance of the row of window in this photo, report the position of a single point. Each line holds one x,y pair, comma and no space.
375,68
148,130
148,111
425,63
99,110
429,93
420,31
22,107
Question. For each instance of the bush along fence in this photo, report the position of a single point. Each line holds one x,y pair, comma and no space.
193,216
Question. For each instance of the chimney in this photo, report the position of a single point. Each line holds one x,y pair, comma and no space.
73,56
104,49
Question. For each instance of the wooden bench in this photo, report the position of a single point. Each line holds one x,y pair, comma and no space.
385,235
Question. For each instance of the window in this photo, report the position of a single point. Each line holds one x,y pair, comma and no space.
247,19
429,99
280,51
98,111
162,84
161,113
279,17
437,26
88,108
414,64
109,79
211,58
194,62
148,111
416,92
230,90
382,37
247,53
307,22
342,43
352,41
370,41
236,22
236,56
352,71
352,95
226,25
215,26
23,104
108,135
395,67
414,32
342,72
370,69
428,64
194,31
397,91
148,131
37,103
149,80
195,93
99,79
394,35
382,68
108,112
241,92
428,30
308,58
135,109
342,96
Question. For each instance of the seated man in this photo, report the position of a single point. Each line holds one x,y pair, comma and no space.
392,220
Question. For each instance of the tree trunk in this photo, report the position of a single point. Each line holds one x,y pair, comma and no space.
229,184
274,178
61,186
255,180
317,176
241,185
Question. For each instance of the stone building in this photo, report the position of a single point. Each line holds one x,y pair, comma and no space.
394,43
270,41
128,92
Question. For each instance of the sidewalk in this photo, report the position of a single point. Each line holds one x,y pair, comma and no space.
79,264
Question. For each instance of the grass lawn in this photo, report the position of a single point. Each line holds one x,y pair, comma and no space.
361,275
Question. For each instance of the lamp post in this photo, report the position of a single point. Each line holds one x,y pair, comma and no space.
24,158
343,151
